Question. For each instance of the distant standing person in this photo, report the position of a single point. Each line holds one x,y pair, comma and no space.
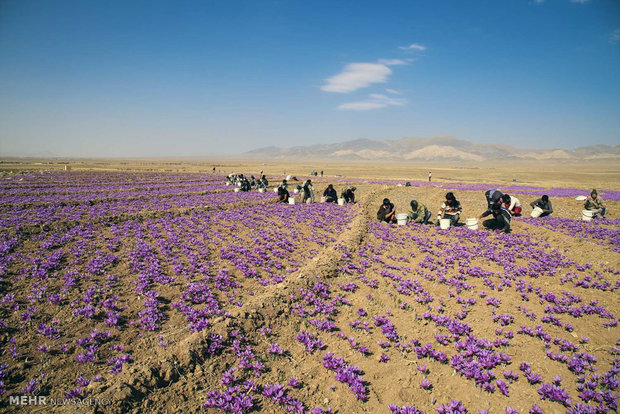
321,173
213,170
430,175
330,195
387,212
501,218
544,204
595,203
512,204
450,209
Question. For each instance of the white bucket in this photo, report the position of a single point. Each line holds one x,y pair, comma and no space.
295,191
323,199
291,200
401,219
275,190
444,224
587,215
227,183
536,212
261,190
237,190
472,223
341,201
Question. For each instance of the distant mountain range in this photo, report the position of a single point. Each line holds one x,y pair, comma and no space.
442,148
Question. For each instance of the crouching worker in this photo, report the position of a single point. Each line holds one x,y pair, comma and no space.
348,195
283,194
544,204
512,204
501,218
595,204
387,212
450,209
418,213
493,196
308,192
330,195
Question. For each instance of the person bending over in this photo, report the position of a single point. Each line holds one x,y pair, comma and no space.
450,209
348,195
308,192
283,194
493,196
512,204
418,213
387,212
501,218
544,204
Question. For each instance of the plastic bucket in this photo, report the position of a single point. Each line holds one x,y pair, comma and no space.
401,219
444,224
323,199
536,212
472,223
261,190
587,215
237,190
275,190
227,183
341,201
291,200
295,191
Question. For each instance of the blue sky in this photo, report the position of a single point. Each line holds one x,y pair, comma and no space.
203,78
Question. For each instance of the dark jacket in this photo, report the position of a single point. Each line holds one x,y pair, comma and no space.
331,194
502,218
493,196
384,211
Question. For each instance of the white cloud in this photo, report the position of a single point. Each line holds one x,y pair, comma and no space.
413,46
394,91
614,37
356,76
374,101
392,62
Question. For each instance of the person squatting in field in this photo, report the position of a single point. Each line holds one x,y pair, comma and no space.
418,213
595,204
544,204
512,204
308,192
450,209
330,195
348,194
501,218
283,193
387,212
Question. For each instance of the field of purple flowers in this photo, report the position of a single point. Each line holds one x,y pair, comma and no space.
158,292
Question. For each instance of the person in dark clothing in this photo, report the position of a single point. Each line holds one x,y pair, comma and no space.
544,204
493,196
331,196
283,194
321,173
245,185
308,192
501,218
348,195
387,212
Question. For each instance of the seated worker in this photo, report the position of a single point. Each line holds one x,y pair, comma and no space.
387,212
283,194
544,203
512,204
418,213
348,195
245,185
501,218
284,184
308,192
450,209
595,203
493,196
330,194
